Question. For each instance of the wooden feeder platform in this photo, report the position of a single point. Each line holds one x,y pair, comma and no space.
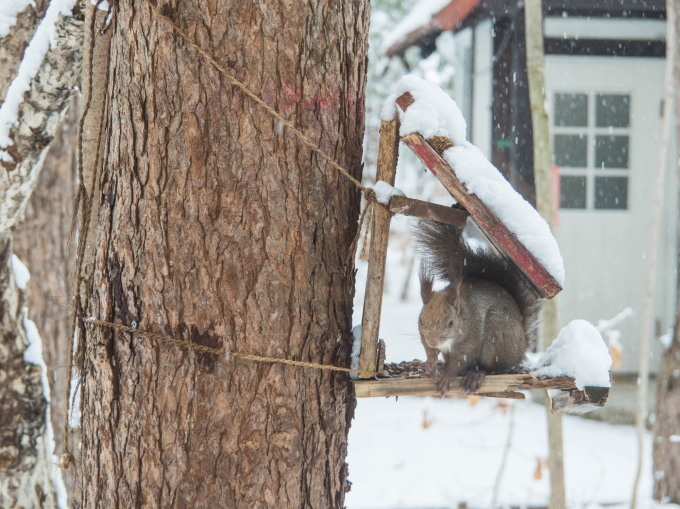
409,378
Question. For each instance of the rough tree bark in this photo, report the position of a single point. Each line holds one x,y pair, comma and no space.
216,226
667,422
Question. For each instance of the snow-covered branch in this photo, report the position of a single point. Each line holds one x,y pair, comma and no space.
35,104
19,20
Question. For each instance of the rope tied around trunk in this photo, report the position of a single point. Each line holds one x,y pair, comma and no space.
90,322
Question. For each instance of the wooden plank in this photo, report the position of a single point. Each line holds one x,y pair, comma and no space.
426,210
426,386
503,239
580,402
388,152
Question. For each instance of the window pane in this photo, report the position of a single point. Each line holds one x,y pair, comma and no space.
611,152
611,193
571,110
570,150
612,110
572,192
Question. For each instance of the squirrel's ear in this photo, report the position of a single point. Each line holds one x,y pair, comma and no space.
426,283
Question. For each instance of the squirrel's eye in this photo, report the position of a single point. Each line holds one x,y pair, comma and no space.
450,324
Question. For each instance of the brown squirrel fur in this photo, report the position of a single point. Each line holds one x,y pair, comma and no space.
483,321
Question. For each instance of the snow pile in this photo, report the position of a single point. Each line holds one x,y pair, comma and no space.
420,15
45,36
579,352
384,192
435,114
20,273
8,14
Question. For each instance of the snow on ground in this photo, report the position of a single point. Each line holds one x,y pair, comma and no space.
430,452
433,453
434,113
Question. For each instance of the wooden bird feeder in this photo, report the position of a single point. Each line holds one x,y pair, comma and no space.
372,355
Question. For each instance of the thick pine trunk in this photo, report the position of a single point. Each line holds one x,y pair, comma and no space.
217,226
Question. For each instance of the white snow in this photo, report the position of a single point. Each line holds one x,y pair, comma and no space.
20,273
430,452
389,109
384,192
8,14
666,339
45,36
34,355
356,350
435,114
102,5
605,325
420,15
578,352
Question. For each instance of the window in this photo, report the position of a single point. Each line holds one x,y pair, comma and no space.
591,145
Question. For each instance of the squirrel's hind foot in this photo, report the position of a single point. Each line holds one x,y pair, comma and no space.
472,381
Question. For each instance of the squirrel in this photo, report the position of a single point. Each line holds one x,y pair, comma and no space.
484,321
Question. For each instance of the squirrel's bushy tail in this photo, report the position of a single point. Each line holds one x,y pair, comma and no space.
449,258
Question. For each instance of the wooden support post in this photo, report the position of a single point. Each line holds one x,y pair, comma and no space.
388,153
499,234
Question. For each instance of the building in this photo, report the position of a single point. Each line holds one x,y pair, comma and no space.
604,62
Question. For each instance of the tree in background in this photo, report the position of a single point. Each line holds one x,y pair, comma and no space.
213,224
35,84
667,420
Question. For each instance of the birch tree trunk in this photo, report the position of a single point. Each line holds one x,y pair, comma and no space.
26,444
24,447
215,225
42,242
13,45
545,205
667,422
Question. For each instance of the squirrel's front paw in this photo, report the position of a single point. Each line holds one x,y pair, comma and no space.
431,368
472,380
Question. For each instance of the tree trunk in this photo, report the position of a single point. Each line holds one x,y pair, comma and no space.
46,225
667,422
217,226
25,447
545,205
